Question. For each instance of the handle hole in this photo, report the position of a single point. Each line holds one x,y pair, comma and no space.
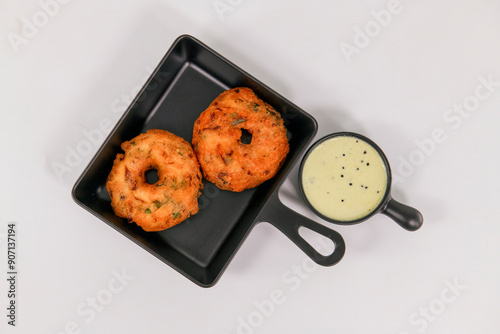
319,242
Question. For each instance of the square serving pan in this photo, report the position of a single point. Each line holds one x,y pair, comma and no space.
182,86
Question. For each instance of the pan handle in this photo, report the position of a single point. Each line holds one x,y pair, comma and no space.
289,222
407,217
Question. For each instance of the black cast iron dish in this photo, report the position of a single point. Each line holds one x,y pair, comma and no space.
406,216
185,82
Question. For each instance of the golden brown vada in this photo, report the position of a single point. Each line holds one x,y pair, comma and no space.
226,158
169,201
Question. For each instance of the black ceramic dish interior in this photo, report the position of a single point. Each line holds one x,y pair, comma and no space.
407,217
185,82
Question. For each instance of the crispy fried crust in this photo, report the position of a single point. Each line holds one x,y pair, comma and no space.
217,140
169,201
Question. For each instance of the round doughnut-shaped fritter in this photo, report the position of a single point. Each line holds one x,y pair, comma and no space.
240,140
169,201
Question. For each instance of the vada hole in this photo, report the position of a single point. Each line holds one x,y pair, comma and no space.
246,137
152,176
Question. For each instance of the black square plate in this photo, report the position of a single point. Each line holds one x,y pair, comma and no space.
187,80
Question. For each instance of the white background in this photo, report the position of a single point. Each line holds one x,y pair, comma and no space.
78,67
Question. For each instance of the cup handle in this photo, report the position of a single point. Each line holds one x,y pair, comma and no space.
289,222
407,217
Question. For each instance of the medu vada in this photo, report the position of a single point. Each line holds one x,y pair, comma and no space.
240,140
170,200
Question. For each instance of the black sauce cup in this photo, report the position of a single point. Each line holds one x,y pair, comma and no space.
407,217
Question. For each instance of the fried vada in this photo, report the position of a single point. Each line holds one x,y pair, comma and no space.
170,200
240,140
